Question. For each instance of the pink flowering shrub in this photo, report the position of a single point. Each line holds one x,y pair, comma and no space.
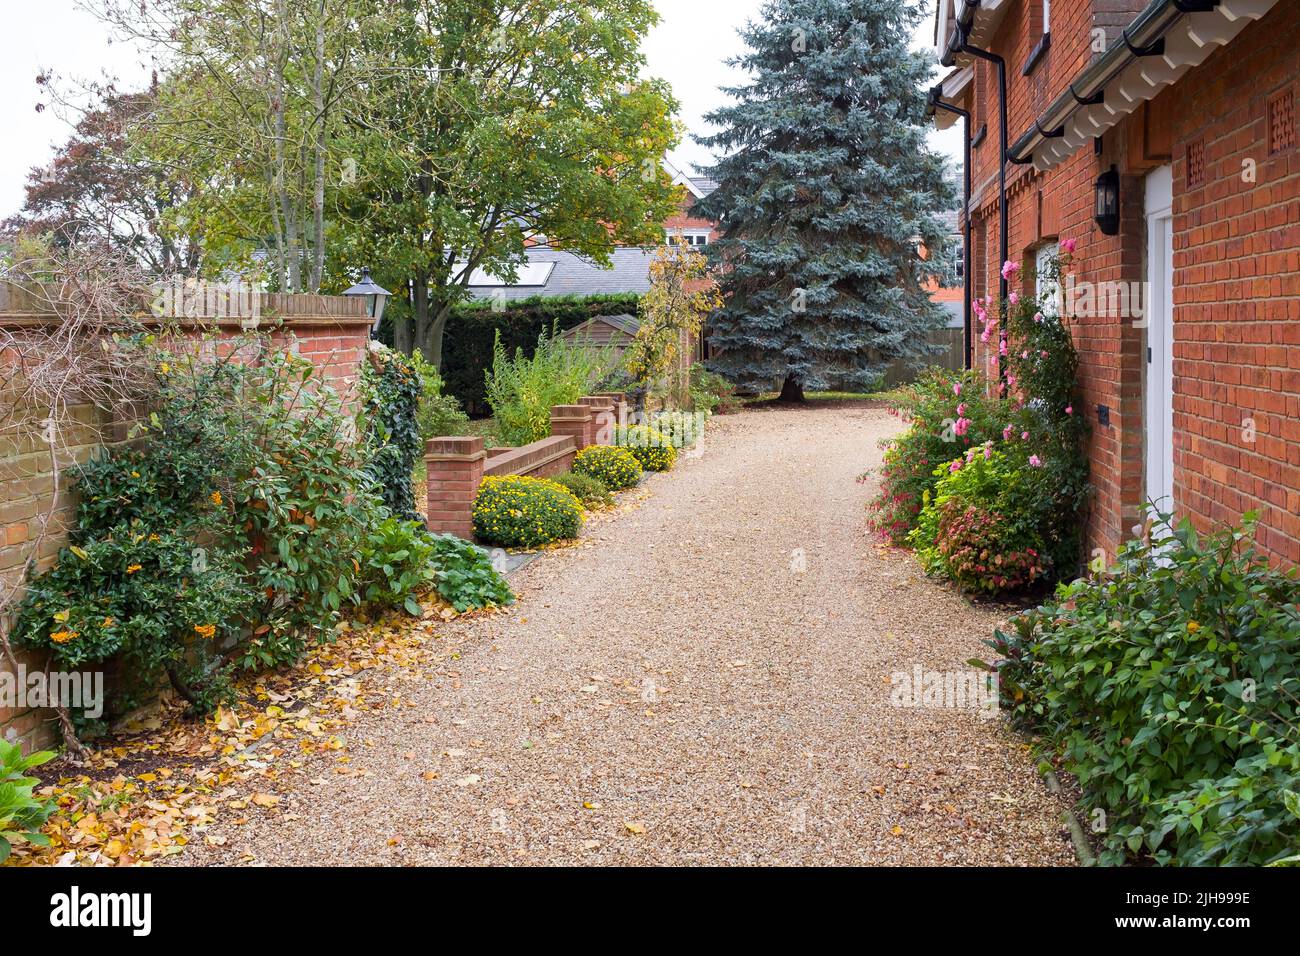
1002,506
980,526
949,412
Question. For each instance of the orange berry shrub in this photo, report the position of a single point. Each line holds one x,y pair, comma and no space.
225,539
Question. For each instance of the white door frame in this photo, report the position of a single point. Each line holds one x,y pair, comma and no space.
1158,381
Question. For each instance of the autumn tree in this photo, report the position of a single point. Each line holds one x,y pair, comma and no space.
102,189
681,296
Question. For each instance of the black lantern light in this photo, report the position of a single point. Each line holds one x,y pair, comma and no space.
375,295
1107,212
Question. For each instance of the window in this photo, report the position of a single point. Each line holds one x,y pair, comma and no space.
1047,290
692,237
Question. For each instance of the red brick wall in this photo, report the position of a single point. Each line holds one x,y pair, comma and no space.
1236,267
331,332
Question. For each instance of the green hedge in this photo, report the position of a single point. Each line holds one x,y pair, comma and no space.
471,328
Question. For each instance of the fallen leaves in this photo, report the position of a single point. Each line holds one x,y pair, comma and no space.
168,780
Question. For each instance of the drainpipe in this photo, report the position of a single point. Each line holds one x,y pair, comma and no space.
936,103
963,46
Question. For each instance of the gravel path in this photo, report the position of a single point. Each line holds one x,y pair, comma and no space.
709,683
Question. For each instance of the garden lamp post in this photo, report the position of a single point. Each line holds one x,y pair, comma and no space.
376,297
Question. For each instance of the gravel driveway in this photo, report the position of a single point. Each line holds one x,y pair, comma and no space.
708,682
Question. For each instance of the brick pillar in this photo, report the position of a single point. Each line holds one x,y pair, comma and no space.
576,421
620,405
604,418
455,467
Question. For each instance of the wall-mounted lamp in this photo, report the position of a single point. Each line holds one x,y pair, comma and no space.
1106,213
376,297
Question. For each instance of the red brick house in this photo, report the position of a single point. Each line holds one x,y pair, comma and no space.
1185,306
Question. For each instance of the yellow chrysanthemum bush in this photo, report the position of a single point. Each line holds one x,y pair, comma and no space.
515,511
651,447
616,468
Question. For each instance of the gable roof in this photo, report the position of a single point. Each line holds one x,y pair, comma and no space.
570,274
628,324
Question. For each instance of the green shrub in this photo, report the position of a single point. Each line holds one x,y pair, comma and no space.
652,448
590,491
683,429
515,511
21,814
164,605
616,468
1169,687
982,528
439,412
239,515
473,327
711,392
397,563
466,578
522,389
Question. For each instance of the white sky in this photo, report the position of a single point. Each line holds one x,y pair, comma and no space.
688,49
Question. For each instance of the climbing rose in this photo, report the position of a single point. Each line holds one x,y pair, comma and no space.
1009,269
1035,461
1038,317
1069,409
1013,297
1024,436
1067,245
1006,433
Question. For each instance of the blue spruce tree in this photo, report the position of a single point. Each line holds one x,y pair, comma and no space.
827,187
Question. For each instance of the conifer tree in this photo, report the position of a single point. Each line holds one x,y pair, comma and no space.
827,191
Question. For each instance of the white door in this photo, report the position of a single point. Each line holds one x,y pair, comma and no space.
1159,321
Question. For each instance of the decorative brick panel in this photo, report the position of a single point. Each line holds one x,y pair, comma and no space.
1281,122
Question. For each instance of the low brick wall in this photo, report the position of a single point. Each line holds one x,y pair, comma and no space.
35,517
456,466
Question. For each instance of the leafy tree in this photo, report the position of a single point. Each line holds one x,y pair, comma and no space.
496,123
826,190
250,102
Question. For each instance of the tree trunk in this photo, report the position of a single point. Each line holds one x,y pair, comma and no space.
792,391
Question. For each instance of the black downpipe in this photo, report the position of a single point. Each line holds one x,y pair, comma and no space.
967,325
1001,64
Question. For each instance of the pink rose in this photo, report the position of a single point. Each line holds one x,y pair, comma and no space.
1024,436
1035,461
1009,269
1067,245
1069,409
956,389
954,467
961,409
1014,297
1038,317
1006,433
